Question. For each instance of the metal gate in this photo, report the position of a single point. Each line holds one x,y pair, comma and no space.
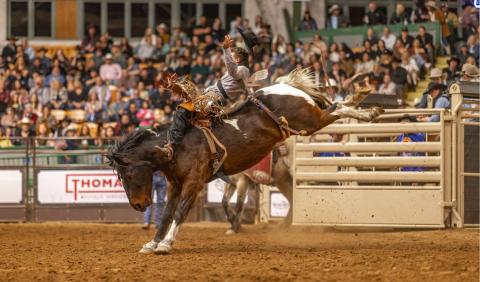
466,176
366,177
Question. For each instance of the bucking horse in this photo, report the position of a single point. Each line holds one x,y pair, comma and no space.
248,135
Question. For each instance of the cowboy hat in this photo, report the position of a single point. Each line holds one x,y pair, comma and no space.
333,8
434,85
470,70
249,38
435,73
25,120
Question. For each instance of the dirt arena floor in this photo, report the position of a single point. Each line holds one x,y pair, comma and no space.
86,252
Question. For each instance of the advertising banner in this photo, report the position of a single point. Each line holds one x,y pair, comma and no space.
79,187
215,190
11,186
278,205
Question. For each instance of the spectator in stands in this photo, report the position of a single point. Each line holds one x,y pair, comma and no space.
399,76
25,132
452,22
388,87
470,72
159,189
202,29
450,72
410,65
426,41
400,15
473,46
5,142
93,107
334,94
388,37
78,96
89,42
308,23
86,141
419,12
437,100
57,95
146,48
110,72
9,118
371,37
145,115
374,15
57,75
406,38
469,20
9,50
43,131
336,19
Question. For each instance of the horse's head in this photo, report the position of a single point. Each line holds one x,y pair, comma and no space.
132,160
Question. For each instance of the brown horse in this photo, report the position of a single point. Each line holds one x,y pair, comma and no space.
249,134
241,183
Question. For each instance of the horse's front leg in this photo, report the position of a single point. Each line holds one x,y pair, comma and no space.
173,197
190,190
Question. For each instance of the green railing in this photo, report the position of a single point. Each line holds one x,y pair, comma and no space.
358,33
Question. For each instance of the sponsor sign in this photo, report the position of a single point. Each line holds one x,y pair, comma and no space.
11,187
79,186
215,190
278,205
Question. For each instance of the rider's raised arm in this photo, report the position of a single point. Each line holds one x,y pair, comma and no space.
232,68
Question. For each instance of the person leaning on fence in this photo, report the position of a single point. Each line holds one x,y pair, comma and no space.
436,100
159,187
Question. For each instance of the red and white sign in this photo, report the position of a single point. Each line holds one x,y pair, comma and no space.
10,186
79,186
215,190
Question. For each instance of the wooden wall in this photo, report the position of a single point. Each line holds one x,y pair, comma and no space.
66,19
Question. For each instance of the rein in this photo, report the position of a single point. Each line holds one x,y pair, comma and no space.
281,122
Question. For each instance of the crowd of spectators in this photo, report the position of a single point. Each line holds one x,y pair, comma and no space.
108,87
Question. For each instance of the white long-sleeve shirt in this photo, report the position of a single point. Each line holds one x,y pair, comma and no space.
232,81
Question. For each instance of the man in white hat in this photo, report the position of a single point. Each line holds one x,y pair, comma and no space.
109,71
436,78
336,20
470,73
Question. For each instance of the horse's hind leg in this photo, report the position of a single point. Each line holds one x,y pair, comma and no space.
173,196
227,195
190,190
284,182
243,184
343,111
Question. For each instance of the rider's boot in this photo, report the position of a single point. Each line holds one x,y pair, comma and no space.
181,121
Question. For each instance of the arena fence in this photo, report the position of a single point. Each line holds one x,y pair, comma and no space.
368,178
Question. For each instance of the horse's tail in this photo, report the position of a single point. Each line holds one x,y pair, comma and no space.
304,80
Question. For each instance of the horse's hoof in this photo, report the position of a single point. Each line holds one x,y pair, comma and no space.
162,249
230,232
149,247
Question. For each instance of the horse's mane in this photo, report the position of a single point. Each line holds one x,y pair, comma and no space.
304,79
124,147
